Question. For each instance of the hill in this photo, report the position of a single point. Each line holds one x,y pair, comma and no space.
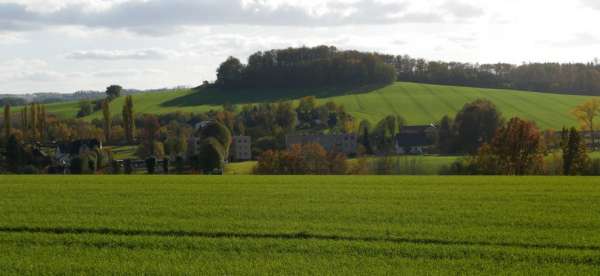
418,103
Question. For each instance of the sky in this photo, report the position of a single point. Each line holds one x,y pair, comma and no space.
72,45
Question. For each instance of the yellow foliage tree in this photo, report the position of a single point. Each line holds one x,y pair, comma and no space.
586,114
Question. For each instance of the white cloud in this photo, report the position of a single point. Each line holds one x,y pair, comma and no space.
141,54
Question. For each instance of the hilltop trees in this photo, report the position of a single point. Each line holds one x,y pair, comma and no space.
586,114
230,73
577,78
305,67
113,92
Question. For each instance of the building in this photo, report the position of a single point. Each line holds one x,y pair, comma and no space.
345,143
241,148
66,151
415,139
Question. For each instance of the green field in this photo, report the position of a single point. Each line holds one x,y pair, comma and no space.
418,103
299,225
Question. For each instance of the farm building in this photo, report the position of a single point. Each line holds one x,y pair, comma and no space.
241,148
345,143
415,139
66,151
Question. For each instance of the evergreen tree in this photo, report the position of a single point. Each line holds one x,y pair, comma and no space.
107,119
575,158
128,120
7,122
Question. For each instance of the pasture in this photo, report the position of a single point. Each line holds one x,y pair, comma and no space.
417,103
299,225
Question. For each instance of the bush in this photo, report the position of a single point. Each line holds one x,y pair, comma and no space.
127,166
594,167
302,159
151,165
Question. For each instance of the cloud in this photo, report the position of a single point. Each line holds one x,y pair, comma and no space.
462,10
127,73
595,4
141,54
577,40
160,17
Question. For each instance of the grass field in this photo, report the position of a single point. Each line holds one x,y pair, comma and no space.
418,103
299,225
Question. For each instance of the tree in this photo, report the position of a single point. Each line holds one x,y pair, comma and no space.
128,120
516,149
85,109
475,124
302,159
364,130
446,135
150,134
586,113
107,120
229,74
33,124
7,122
575,158
113,92
14,153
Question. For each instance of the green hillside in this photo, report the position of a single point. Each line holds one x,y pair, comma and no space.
418,103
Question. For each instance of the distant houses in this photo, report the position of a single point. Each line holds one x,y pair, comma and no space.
345,143
240,149
65,152
415,139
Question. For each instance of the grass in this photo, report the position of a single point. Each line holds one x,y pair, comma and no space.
299,225
418,103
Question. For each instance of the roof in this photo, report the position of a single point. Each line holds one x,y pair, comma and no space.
74,147
415,129
413,139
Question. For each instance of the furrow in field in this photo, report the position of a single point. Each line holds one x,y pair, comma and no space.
417,103
440,97
521,111
285,236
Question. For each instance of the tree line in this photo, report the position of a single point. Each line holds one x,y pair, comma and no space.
305,67
565,78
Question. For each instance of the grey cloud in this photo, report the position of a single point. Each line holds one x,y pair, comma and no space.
462,10
158,17
143,54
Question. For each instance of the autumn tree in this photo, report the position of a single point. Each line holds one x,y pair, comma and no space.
516,149
586,114
575,158
150,136
107,120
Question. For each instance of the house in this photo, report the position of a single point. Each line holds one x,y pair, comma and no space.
241,148
66,151
345,143
415,139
